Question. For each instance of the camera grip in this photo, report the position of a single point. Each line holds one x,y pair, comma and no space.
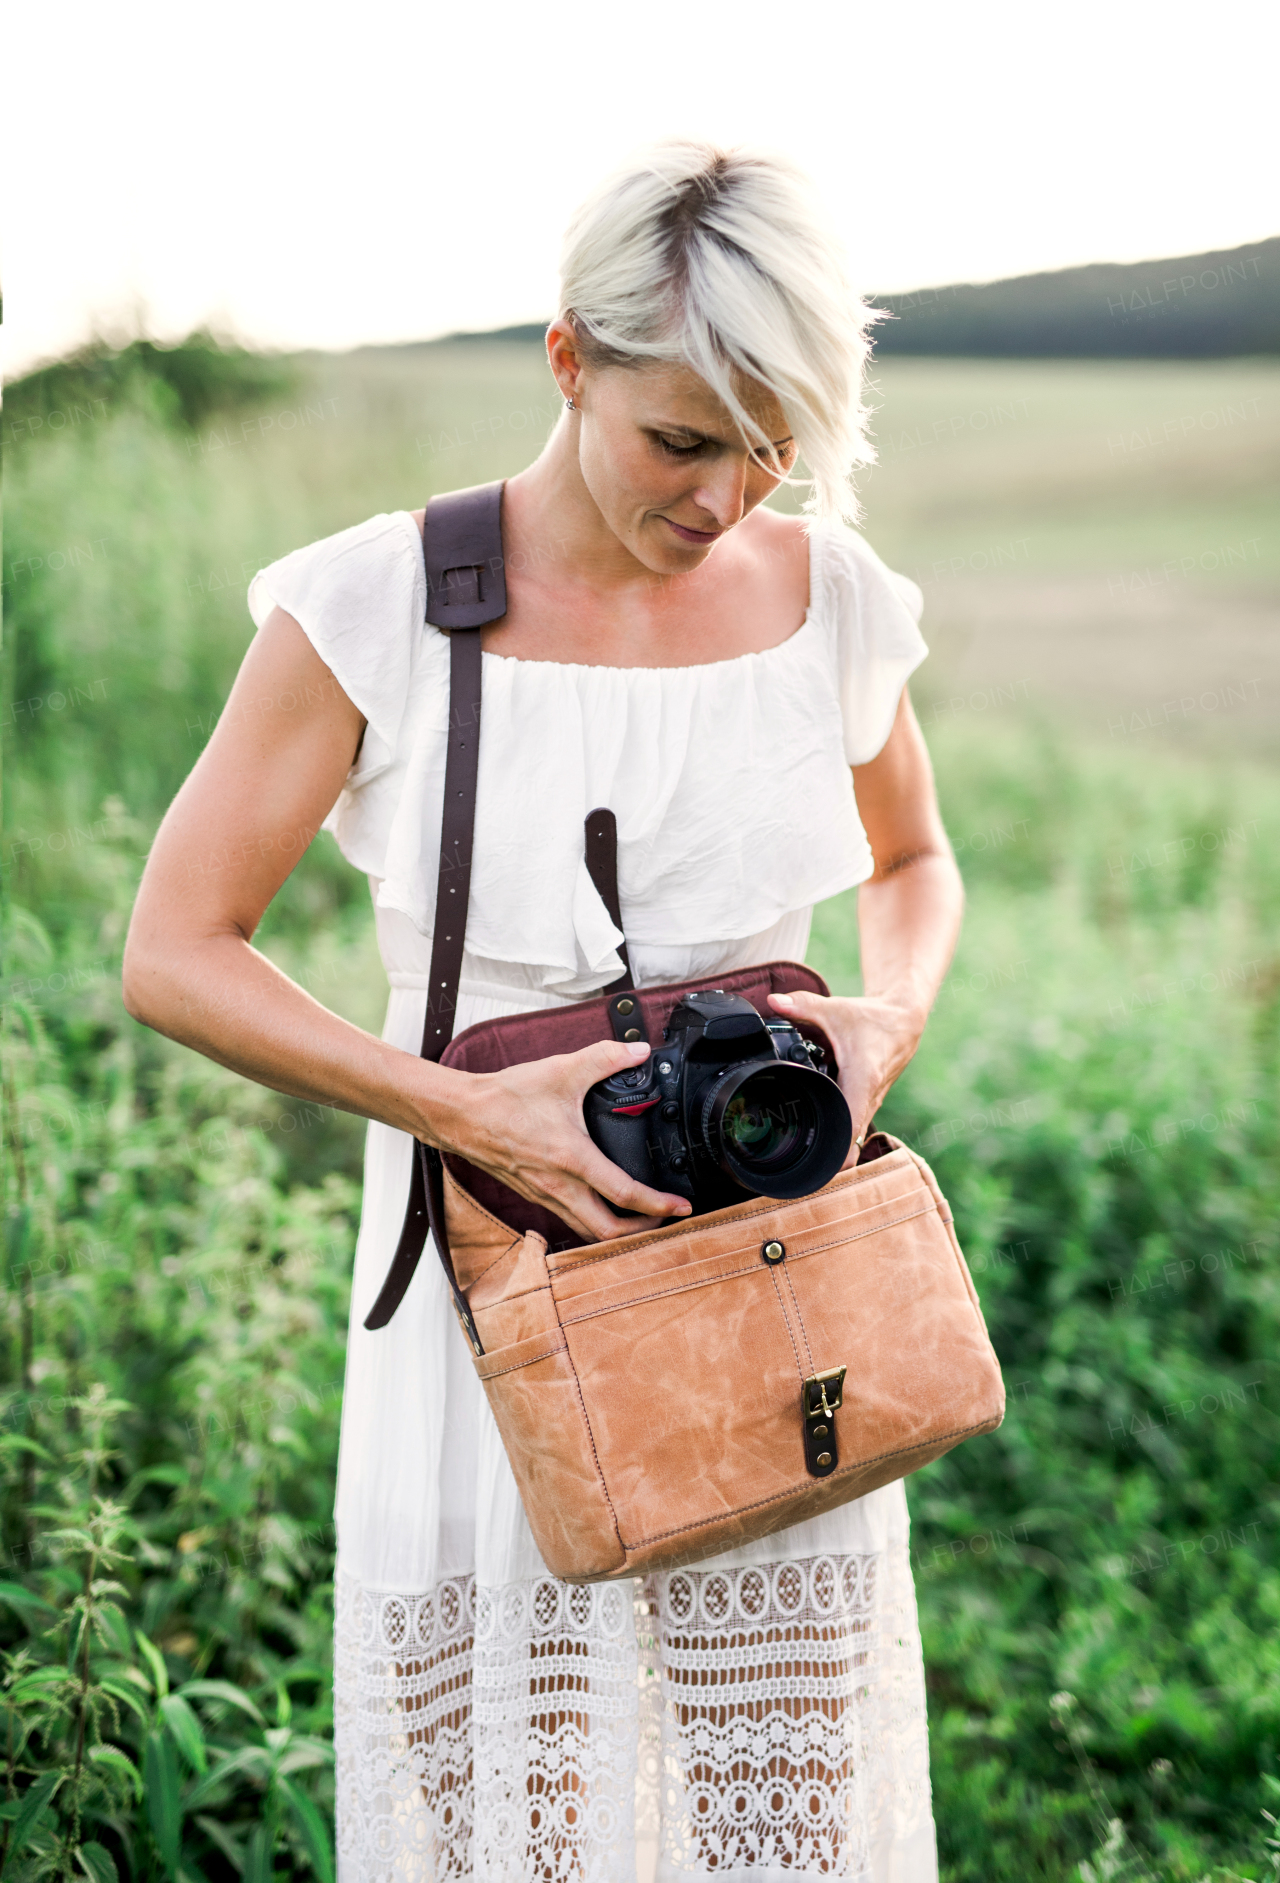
624,1140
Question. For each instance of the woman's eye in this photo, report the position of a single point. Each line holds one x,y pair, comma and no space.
674,450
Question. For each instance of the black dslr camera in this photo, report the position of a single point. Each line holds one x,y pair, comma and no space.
729,1106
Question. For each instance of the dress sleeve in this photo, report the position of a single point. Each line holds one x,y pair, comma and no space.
360,598
878,645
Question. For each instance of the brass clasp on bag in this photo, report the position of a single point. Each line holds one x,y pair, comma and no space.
821,1397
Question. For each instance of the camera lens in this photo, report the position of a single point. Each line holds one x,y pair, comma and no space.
763,1133
778,1130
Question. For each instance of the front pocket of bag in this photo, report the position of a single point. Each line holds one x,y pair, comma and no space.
693,1399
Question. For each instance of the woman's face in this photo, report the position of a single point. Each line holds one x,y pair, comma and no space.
663,459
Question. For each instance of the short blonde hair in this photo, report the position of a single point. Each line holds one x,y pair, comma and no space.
721,259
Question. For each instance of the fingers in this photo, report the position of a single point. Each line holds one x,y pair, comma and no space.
601,1178
864,1102
591,1218
592,1063
572,1190
578,1197
800,1006
617,1187
821,1011
856,1143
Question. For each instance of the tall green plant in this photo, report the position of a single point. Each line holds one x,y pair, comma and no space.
170,1423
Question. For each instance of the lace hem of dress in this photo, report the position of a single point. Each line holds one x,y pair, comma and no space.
752,1722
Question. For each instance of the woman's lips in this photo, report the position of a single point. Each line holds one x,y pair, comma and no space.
687,535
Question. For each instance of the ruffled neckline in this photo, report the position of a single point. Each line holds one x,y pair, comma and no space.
730,779
689,667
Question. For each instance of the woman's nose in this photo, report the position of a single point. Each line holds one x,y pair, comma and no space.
723,491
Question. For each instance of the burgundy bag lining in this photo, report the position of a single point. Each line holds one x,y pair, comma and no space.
517,1039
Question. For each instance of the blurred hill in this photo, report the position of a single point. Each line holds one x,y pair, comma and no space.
1224,304
1195,307
1216,306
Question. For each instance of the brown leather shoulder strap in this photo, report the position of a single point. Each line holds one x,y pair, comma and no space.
457,829
466,588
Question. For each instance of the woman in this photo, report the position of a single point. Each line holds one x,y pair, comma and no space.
710,670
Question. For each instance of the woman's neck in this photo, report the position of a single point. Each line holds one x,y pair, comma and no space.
551,522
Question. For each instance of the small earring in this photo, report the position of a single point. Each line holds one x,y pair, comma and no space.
569,406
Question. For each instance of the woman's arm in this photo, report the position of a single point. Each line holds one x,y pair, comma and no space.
257,796
909,914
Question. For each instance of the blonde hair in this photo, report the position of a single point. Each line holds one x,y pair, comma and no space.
721,260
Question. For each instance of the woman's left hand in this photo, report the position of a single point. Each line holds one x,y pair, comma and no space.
873,1039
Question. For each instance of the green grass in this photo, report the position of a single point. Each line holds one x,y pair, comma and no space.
1097,1091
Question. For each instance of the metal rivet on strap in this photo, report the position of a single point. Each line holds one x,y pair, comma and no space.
773,1252
626,1006
632,1033
824,1457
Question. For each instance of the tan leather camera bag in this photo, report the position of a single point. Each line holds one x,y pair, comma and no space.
687,1389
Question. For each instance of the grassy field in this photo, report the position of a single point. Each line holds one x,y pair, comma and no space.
1097,1091
1099,540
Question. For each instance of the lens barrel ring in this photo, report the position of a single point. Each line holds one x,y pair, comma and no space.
823,1128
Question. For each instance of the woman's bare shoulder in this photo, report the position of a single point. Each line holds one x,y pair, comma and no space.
777,527
779,539
773,559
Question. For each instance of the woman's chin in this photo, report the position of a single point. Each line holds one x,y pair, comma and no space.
665,552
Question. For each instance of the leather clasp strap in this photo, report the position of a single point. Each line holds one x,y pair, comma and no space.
626,1016
602,867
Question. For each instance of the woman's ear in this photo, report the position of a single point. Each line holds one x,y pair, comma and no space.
564,356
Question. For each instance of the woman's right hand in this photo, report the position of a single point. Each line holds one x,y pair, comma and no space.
525,1127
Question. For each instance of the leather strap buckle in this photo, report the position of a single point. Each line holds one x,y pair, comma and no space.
821,1397
462,550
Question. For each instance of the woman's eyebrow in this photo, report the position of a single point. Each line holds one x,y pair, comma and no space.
710,438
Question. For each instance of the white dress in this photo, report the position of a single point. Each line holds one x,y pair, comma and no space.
761,1717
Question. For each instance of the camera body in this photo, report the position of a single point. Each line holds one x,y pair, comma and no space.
729,1106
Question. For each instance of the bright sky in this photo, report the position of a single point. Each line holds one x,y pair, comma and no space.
329,175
